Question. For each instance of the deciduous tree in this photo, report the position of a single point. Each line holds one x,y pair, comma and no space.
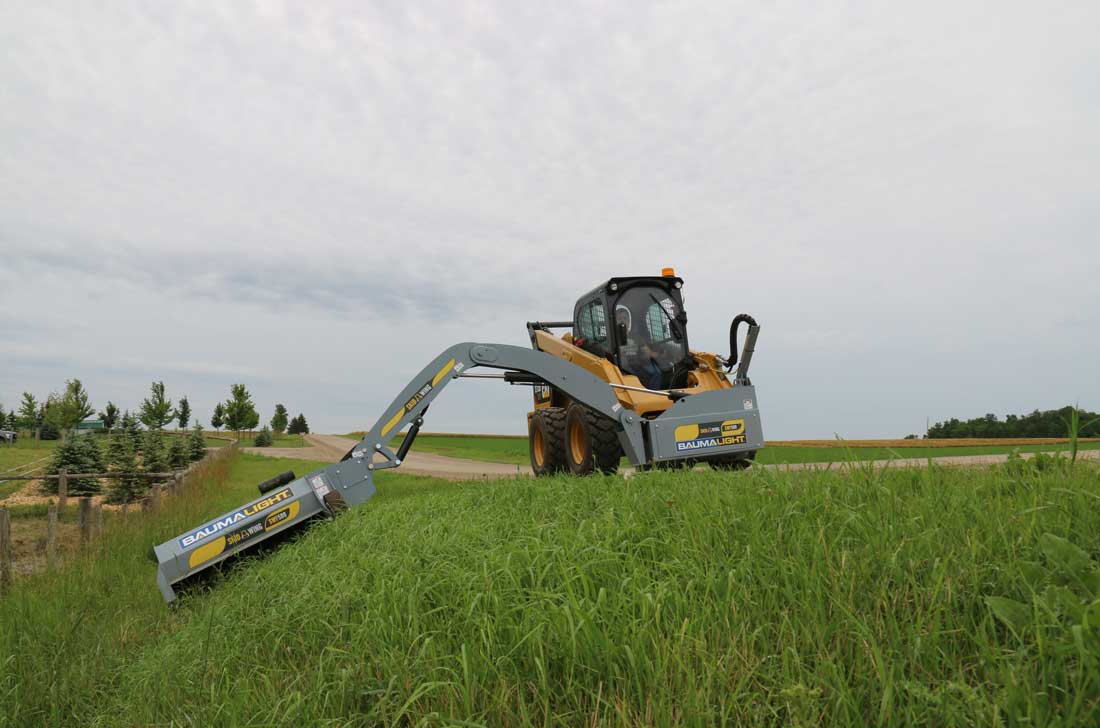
279,420
240,412
218,418
109,415
69,409
156,409
183,413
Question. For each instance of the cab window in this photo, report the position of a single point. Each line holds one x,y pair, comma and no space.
592,326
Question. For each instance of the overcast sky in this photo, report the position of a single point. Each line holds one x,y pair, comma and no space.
315,199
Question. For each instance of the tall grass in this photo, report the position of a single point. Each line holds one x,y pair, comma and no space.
851,596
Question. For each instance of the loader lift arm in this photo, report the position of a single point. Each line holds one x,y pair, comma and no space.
350,482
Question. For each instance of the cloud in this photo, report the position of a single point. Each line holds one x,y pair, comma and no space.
318,198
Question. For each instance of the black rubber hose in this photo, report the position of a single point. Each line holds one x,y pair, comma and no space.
737,321
273,483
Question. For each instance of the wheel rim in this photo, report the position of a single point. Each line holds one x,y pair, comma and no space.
538,447
577,442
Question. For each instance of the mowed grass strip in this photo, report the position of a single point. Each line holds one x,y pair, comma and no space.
513,449
700,598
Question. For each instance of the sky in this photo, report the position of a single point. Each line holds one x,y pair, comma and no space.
315,199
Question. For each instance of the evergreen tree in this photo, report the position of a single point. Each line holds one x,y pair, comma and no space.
76,455
298,426
153,458
109,415
240,412
278,420
156,409
178,454
13,421
196,443
218,418
121,458
129,427
183,413
264,439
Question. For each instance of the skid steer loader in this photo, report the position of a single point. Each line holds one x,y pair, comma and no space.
621,382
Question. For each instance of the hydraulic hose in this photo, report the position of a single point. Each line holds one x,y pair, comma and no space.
737,321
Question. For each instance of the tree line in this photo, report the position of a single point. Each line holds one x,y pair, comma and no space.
128,447
59,414
1049,423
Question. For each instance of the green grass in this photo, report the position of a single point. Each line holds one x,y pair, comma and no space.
794,454
513,450
23,452
285,440
702,598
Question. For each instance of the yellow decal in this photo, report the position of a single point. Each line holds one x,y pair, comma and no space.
281,516
443,372
206,552
686,432
420,394
390,425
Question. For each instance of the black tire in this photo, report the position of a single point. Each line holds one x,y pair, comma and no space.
546,441
737,461
591,442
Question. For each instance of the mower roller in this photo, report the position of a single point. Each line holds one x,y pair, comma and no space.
621,382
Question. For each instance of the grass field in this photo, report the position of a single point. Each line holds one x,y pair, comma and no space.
513,450
943,597
285,440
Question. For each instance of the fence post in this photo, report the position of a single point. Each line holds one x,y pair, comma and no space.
85,520
51,535
154,497
125,509
177,482
5,550
62,490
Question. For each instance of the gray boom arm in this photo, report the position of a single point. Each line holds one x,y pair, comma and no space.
579,384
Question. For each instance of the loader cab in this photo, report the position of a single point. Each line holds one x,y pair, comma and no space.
639,324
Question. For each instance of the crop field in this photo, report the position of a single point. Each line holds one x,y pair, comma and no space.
513,449
940,596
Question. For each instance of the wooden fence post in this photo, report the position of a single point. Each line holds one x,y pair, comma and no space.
51,535
5,550
154,497
125,509
85,520
62,490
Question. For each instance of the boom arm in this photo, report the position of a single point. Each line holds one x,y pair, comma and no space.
351,481
576,382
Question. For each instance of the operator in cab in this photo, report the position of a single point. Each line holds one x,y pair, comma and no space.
636,354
